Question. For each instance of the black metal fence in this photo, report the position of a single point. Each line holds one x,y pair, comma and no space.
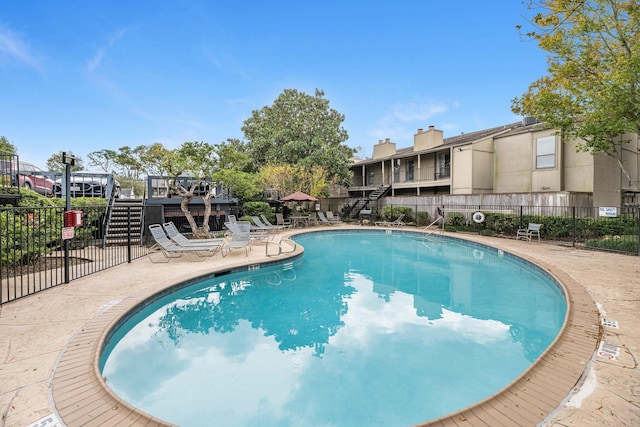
37,252
596,228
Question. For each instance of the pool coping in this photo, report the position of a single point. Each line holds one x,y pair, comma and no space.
81,397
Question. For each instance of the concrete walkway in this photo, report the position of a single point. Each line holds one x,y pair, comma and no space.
35,330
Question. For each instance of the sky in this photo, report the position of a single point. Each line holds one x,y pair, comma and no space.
82,76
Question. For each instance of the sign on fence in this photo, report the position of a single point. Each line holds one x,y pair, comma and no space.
67,233
609,212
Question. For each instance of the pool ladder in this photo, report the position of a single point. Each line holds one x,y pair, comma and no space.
289,246
427,230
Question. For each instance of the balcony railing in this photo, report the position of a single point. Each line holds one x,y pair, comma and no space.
421,175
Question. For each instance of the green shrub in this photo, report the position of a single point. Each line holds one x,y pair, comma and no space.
391,213
32,232
250,209
455,219
423,219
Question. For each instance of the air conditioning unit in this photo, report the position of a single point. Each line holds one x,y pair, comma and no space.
529,120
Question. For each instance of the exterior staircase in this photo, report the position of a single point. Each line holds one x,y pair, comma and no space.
364,202
125,222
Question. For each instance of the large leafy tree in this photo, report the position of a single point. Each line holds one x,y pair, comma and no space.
196,160
288,179
54,163
233,167
205,165
592,90
104,159
299,130
7,146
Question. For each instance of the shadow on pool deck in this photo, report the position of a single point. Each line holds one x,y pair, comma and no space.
49,342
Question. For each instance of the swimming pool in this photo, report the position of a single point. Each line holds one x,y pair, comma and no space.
387,318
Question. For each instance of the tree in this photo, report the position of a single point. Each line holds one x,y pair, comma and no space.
592,92
54,163
287,179
299,130
233,171
7,146
128,162
200,162
103,159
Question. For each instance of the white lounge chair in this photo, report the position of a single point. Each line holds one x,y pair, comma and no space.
179,238
170,249
324,220
240,237
268,223
333,218
395,223
260,226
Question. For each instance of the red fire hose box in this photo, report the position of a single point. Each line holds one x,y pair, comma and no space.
73,218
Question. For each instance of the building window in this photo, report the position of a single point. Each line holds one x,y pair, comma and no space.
444,165
546,152
409,170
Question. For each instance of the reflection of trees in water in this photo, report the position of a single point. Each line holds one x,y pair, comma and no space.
532,341
295,313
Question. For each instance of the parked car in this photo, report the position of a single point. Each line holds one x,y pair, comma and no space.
88,184
33,178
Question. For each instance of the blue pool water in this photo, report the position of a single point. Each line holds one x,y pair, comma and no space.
365,329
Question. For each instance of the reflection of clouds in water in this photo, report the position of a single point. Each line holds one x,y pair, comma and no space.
262,378
481,331
369,316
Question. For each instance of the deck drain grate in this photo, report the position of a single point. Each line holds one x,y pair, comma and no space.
48,421
609,351
610,323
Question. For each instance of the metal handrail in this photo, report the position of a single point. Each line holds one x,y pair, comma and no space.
427,230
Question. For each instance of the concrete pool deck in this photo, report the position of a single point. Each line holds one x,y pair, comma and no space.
44,339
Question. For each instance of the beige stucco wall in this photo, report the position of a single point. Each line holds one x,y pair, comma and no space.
483,154
462,170
424,140
513,163
578,169
606,182
384,149
631,162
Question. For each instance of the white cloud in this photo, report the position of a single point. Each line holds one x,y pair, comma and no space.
413,112
12,46
401,121
94,63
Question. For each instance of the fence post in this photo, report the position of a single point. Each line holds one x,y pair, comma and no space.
129,234
573,216
638,216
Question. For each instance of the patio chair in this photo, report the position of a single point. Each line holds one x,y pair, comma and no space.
281,221
395,223
170,249
313,218
268,223
259,225
324,220
240,237
332,218
529,232
179,238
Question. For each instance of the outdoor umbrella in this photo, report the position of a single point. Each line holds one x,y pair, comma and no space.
298,196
